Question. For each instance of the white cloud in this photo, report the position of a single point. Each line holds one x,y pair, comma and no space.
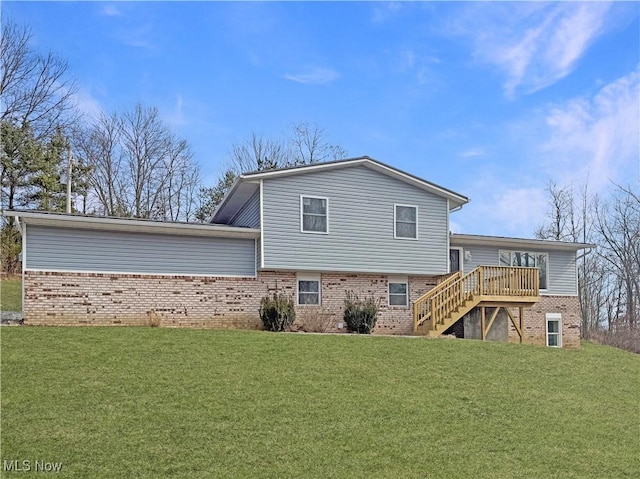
110,10
596,137
473,153
533,44
384,11
176,116
314,75
501,208
87,104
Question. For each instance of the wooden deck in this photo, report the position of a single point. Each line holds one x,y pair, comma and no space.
485,286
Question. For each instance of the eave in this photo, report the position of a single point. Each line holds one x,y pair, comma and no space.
64,220
500,241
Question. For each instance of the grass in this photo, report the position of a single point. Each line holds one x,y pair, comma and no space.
154,402
11,294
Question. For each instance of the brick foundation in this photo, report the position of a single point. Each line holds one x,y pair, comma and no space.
535,325
53,298
56,299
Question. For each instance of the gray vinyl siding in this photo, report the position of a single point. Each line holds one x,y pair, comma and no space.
361,224
562,266
249,215
67,249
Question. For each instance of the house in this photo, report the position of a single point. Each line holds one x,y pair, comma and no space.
314,232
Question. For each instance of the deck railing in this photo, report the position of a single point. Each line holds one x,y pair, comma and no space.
441,302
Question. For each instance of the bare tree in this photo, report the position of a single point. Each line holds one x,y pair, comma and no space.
569,219
609,278
307,143
35,88
618,224
258,154
139,167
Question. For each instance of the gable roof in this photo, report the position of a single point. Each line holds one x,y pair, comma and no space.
247,184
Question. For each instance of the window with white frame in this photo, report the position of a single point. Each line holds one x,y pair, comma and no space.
405,218
308,289
530,259
554,330
314,214
398,292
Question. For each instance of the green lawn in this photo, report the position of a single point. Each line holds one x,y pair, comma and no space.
11,295
157,403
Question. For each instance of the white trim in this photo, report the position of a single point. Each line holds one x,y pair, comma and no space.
135,225
305,276
503,242
553,317
460,258
137,273
261,224
397,280
302,230
542,290
395,236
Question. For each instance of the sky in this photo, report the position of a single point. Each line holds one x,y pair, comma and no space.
491,100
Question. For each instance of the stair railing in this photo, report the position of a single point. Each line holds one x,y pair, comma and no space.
439,304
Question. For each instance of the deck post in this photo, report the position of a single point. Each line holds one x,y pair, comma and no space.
482,321
521,321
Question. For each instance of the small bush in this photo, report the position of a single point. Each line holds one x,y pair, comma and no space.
360,315
622,338
154,319
315,319
277,312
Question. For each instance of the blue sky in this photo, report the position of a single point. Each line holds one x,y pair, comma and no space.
491,100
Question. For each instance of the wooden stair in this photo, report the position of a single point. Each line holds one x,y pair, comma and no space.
438,309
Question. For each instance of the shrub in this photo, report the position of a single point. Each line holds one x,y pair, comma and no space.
315,319
622,338
277,312
154,319
360,315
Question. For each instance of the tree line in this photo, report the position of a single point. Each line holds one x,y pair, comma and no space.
123,163
608,275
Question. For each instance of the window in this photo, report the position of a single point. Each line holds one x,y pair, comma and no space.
314,214
527,258
308,289
405,219
554,330
398,292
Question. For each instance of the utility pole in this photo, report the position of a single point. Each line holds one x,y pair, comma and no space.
69,181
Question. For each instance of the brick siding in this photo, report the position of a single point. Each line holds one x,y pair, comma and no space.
56,298
535,326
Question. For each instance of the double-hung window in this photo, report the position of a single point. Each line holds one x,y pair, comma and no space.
398,292
314,214
554,330
309,289
527,258
405,221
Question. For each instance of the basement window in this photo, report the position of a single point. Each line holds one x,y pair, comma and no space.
554,330
398,292
309,289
